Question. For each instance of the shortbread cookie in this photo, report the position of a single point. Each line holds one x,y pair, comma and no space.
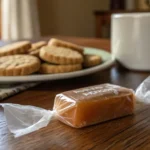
59,55
91,60
35,52
37,45
15,48
16,65
51,68
35,49
60,43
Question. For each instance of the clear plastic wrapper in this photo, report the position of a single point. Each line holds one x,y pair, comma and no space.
95,104
143,92
22,120
78,108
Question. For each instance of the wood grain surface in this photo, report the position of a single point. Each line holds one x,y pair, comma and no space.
127,133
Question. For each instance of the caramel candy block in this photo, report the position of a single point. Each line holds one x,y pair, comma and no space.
94,104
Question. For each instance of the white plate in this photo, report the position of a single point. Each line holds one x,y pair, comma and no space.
108,60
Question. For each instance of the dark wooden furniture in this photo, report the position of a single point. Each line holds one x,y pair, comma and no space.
103,19
131,132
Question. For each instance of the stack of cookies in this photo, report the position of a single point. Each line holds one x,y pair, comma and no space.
60,57
14,60
56,56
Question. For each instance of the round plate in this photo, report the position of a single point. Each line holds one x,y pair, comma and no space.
107,58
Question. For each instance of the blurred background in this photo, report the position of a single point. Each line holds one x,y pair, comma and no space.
83,18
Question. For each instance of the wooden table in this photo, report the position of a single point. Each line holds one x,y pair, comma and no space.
132,132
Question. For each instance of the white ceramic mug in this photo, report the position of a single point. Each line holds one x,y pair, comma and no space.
130,40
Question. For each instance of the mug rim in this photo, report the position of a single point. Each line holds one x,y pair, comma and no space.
120,15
